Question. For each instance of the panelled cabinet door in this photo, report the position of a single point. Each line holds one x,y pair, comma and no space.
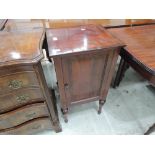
84,75
84,58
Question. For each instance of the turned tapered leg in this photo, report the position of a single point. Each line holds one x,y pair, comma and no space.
123,66
101,103
65,112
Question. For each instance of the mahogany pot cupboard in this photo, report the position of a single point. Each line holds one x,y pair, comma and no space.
26,105
84,59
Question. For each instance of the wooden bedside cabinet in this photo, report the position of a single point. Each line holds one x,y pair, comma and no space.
84,59
26,106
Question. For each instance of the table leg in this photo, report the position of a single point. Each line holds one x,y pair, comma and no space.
65,112
150,130
101,103
123,66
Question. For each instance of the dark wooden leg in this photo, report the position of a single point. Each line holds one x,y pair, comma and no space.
57,127
123,66
150,130
101,103
65,112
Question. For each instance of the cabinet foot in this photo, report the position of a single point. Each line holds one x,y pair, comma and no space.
57,127
101,103
65,112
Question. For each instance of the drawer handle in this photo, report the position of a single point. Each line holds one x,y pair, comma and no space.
15,84
23,98
36,127
31,115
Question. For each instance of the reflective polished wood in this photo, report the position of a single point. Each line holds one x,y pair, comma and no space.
21,47
15,24
81,39
25,24
61,23
84,59
139,52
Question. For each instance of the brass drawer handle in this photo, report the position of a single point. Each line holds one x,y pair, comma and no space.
31,115
23,98
15,84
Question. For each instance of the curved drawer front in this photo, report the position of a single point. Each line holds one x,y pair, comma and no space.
23,114
19,98
31,127
18,80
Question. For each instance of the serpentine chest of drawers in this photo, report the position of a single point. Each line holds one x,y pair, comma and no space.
26,106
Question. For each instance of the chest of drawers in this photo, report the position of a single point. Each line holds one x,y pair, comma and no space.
26,105
84,59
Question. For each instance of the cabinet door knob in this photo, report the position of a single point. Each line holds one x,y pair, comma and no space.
66,85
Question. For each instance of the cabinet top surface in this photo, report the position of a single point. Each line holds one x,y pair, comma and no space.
21,47
140,41
79,39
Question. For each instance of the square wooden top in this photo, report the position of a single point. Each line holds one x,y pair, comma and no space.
79,39
140,41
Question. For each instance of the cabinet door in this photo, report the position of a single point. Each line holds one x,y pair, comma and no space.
84,75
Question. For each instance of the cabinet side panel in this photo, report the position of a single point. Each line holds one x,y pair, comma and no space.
109,70
60,79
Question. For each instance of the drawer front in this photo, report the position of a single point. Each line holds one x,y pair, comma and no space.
31,127
19,98
18,80
23,114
